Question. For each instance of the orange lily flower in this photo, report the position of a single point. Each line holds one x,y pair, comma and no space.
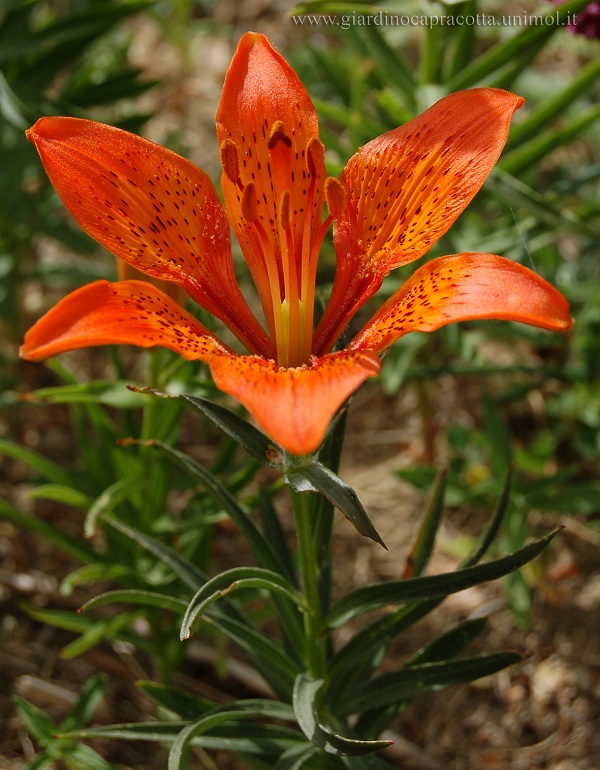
396,197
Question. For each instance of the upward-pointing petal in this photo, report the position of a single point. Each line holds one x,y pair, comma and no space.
151,208
406,188
268,126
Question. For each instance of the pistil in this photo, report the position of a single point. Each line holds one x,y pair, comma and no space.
285,232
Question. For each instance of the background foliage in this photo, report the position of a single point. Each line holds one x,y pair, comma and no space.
152,515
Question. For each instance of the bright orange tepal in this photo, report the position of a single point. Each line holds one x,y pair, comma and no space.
396,197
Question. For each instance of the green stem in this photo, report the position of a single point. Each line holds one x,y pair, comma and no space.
314,654
149,415
151,493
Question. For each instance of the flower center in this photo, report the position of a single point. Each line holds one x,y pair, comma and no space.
281,220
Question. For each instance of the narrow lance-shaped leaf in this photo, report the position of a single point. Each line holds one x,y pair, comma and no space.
377,595
553,107
443,648
52,534
359,657
250,438
517,193
90,696
502,53
407,683
184,569
236,736
526,155
248,529
420,553
91,573
111,496
494,525
266,656
231,580
138,597
305,694
315,477
180,702
296,757
239,710
37,722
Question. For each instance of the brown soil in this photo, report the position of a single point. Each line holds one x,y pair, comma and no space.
541,714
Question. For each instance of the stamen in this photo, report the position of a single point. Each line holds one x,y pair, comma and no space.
278,135
230,161
272,302
315,157
290,306
249,203
335,196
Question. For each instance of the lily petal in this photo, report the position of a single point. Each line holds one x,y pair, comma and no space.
294,406
127,312
405,190
151,208
463,287
269,121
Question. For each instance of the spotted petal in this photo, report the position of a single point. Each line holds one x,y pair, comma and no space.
462,287
270,125
127,312
294,406
152,209
406,188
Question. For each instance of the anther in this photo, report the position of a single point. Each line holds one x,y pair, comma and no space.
230,161
278,135
249,203
335,196
315,157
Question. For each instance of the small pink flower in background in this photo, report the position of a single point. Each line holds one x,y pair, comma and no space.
586,22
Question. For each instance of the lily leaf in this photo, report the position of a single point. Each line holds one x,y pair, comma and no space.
185,570
89,699
420,553
176,700
315,477
238,710
37,722
250,438
138,597
231,580
295,757
52,534
377,595
407,683
520,195
262,652
234,735
111,496
91,573
248,529
553,107
305,694
526,155
38,463
503,53
110,393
